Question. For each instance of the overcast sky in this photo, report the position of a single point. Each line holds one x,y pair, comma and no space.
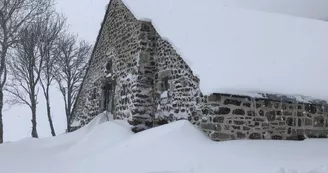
85,17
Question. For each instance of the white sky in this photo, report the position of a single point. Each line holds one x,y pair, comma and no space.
85,17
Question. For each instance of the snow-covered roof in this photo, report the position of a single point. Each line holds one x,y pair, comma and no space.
314,9
232,48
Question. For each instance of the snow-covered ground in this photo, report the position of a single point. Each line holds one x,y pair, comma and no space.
110,146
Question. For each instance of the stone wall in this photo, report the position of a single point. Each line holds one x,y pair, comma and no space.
170,89
118,42
155,86
177,89
228,117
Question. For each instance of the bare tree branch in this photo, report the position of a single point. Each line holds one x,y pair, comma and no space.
15,14
71,61
46,48
27,62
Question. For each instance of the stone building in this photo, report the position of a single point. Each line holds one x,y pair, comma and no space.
136,74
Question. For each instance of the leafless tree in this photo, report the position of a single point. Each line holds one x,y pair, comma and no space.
26,64
13,15
54,25
72,57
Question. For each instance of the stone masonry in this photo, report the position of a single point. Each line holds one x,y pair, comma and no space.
227,117
137,75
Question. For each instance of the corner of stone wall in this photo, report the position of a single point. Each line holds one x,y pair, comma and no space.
143,110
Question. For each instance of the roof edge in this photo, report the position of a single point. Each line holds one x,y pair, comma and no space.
90,60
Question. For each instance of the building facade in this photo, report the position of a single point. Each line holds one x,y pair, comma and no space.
137,75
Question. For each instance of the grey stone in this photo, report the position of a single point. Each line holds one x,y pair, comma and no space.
232,102
218,119
271,115
255,136
238,112
223,111
318,121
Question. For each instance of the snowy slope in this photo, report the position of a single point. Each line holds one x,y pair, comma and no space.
230,48
174,148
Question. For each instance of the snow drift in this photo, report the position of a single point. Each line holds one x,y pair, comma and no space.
179,147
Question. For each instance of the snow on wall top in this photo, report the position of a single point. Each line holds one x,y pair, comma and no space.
230,48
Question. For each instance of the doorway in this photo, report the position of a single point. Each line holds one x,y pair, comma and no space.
108,97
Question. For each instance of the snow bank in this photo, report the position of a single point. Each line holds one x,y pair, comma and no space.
105,133
178,147
231,48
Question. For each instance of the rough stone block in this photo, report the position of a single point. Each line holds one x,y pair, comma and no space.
232,102
255,136
221,136
218,119
238,112
318,121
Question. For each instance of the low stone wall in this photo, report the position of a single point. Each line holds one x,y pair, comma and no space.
229,117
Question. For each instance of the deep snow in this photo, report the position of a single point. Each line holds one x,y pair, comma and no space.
230,48
178,147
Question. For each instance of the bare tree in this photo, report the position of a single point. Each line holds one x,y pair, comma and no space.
13,15
26,64
72,57
54,25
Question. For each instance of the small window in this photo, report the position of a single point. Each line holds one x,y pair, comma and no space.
94,93
124,93
144,57
165,83
109,66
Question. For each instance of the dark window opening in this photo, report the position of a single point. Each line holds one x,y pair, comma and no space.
94,93
108,97
165,83
109,66
124,90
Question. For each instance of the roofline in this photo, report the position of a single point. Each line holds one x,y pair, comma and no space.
317,102
90,60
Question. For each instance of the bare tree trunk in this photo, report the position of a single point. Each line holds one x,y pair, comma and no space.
69,113
34,130
68,120
71,63
1,123
2,73
15,14
53,133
